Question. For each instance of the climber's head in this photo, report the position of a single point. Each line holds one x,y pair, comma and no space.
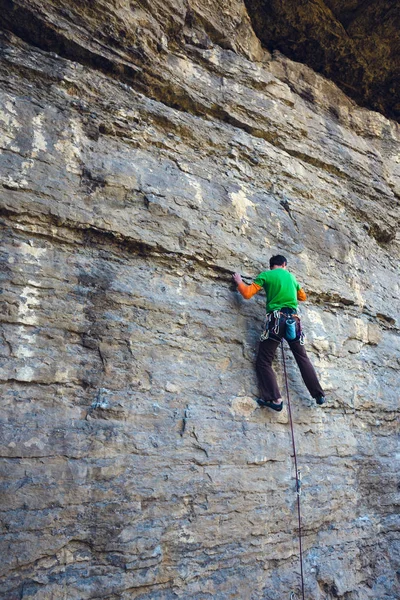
277,261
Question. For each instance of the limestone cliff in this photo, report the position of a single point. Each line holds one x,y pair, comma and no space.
149,150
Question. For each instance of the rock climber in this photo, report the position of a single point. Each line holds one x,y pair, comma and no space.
282,292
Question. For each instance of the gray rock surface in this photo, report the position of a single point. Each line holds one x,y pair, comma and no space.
136,463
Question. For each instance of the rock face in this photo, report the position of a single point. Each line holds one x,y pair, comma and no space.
149,150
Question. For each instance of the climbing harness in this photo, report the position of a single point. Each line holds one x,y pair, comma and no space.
293,329
298,474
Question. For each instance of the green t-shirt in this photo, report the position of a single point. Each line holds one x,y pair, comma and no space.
280,287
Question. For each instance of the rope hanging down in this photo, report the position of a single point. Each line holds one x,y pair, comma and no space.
298,478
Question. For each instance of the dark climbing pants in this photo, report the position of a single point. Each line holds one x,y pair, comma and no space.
266,377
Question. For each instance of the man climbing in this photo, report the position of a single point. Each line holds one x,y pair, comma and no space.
282,292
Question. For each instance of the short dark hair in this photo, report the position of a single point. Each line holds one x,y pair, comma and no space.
277,260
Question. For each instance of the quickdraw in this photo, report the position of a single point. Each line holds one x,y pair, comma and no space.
265,332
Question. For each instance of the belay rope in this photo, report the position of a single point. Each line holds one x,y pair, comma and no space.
298,477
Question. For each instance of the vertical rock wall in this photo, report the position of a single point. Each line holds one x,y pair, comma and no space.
148,153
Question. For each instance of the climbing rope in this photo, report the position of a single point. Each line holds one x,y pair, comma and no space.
298,476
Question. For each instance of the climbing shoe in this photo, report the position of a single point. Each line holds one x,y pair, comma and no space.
265,403
320,400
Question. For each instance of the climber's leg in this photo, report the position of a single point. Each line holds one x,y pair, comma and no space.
266,377
306,369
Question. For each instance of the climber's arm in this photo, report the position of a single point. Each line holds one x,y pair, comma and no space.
301,295
247,291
